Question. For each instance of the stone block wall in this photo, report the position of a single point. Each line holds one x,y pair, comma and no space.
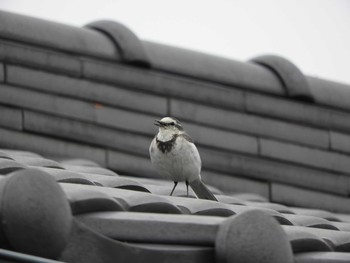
261,126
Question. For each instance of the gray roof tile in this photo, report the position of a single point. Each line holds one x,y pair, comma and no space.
293,80
251,197
35,213
316,212
320,257
4,155
303,241
226,199
248,248
343,226
77,161
211,68
56,35
62,175
337,240
41,162
325,95
139,227
311,221
84,200
134,200
277,207
343,217
89,169
97,207
9,165
129,45
20,153
119,182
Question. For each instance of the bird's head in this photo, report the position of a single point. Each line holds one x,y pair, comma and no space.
169,124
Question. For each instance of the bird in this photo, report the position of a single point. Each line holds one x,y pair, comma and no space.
174,156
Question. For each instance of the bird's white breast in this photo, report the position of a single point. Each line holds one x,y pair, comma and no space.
181,163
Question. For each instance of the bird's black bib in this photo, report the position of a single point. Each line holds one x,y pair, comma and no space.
167,146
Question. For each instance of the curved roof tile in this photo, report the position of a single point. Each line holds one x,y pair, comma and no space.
129,45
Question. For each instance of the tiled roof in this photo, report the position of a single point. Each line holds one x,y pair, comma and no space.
91,214
78,105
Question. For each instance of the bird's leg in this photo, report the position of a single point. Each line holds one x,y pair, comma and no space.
175,184
187,187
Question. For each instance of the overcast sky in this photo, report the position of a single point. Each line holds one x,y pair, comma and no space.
313,34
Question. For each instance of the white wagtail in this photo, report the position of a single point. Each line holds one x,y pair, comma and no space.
175,157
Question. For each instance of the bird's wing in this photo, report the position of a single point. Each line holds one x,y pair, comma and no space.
152,147
186,137
192,152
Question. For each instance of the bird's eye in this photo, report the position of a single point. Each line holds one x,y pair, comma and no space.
172,123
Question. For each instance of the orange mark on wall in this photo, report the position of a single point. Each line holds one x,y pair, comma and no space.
98,105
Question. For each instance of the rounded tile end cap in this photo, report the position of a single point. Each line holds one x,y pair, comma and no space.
128,43
292,78
35,215
252,236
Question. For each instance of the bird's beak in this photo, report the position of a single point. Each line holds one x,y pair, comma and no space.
158,123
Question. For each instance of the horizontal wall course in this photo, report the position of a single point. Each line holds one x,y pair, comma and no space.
212,68
124,163
86,42
248,123
56,35
24,98
273,171
126,120
26,55
340,142
294,196
2,72
330,93
86,133
297,112
305,156
229,183
222,139
76,109
164,84
87,90
10,117
50,146
195,64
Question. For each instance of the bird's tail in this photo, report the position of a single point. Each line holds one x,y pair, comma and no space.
202,190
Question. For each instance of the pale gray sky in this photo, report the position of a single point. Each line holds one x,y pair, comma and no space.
314,34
